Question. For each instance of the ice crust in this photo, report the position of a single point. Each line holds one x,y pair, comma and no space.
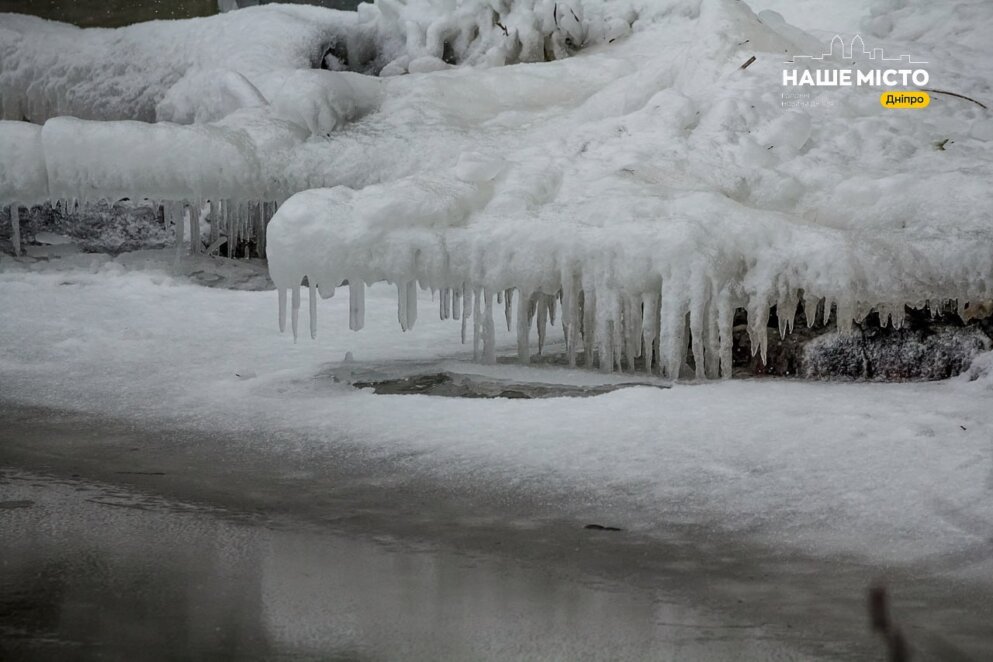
644,189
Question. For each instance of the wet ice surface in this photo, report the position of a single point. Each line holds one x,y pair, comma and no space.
91,570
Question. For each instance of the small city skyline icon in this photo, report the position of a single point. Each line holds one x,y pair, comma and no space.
853,51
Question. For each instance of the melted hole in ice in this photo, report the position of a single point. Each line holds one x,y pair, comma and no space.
453,385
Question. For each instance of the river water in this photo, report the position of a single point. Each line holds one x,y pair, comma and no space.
124,541
96,571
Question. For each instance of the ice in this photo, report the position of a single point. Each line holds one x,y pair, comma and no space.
15,229
655,192
356,305
23,178
208,96
160,69
659,201
205,68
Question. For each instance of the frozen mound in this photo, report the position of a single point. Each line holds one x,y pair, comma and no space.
644,191
205,68
49,69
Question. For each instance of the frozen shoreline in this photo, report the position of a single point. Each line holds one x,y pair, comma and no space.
894,472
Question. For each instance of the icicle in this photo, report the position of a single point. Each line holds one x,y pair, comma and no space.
725,328
445,302
862,310
887,315
542,321
313,308
786,313
672,341
589,325
899,314
616,327
411,304
295,312
467,300
402,304
177,212
696,336
633,330
195,228
260,219
570,317
215,223
758,328
508,302
712,347
489,332
845,316
356,304
550,303
523,326
457,303
810,303
15,228
477,324
649,327
231,227
605,332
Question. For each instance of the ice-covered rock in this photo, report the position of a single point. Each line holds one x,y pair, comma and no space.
937,352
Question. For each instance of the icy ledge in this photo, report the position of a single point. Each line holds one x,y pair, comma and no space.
648,299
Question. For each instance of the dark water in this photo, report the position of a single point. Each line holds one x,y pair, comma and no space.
99,572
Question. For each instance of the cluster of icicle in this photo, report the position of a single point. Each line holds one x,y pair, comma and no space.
230,223
652,331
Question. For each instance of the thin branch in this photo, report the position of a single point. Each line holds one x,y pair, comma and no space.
954,94
748,63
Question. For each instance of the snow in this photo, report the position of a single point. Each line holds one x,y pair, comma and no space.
893,473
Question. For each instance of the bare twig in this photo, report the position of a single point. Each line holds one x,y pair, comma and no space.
748,63
955,94
879,619
502,27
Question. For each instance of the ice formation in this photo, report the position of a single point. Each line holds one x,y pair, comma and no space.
637,194
221,107
653,188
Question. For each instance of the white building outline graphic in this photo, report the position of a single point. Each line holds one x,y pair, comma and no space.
839,51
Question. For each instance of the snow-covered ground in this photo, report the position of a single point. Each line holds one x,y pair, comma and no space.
899,473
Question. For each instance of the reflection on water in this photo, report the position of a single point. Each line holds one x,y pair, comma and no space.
97,572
